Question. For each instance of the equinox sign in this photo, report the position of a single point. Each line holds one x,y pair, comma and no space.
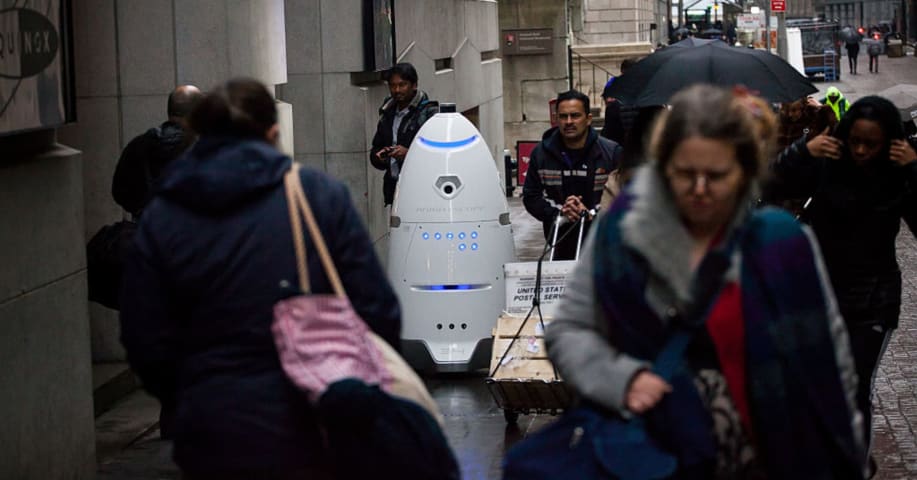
28,43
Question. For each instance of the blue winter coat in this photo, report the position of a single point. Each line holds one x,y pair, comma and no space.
213,254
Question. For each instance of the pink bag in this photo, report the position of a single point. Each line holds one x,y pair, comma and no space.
320,338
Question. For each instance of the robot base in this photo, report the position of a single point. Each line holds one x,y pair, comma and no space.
417,354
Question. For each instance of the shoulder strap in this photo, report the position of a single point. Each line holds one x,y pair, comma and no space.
299,205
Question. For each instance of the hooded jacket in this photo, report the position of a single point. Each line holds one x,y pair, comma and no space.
214,253
856,213
549,179
420,110
142,163
840,106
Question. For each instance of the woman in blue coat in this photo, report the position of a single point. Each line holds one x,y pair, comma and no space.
214,253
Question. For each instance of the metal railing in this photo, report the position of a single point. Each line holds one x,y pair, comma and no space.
593,71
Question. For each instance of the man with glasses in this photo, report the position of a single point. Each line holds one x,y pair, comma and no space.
567,172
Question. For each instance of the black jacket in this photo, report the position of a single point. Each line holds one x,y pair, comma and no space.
549,180
856,214
142,163
214,253
619,120
420,110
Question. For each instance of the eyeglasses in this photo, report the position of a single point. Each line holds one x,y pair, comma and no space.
687,179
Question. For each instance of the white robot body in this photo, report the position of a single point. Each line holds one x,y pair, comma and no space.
450,236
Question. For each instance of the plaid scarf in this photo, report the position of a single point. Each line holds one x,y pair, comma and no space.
800,415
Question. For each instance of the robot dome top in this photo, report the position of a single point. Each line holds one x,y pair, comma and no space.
448,131
448,144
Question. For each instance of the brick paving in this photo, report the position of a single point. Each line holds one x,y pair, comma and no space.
895,442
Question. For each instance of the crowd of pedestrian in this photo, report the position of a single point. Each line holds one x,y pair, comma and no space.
782,317
829,279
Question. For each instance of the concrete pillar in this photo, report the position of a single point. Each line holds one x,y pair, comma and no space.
97,134
46,387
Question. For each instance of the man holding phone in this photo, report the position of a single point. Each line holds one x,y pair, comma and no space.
400,117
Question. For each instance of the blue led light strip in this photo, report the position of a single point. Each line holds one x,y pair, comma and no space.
455,144
438,288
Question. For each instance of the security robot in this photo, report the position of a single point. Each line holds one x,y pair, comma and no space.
450,236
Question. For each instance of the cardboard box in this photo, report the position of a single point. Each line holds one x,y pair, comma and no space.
523,345
523,380
520,285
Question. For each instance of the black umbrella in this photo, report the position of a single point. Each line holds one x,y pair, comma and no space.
849,34
680,32
692,42
653,80
711,33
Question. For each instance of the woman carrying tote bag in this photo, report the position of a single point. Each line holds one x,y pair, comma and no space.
214,254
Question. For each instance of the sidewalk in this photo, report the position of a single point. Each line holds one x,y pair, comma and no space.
895,419
892,71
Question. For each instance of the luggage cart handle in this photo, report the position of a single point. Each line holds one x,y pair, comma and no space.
560,219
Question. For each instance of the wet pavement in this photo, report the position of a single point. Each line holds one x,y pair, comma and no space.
479,434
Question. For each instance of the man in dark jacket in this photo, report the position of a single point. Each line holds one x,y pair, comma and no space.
401,116
146,156
568,170
141,165
619,118
852,43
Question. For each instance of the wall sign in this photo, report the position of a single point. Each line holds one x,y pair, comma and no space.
530,41
36,77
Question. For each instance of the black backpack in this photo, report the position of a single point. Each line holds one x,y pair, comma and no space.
371,434
105,255
107,249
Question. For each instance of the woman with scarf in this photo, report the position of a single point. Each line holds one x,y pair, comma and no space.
862,181
766,385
